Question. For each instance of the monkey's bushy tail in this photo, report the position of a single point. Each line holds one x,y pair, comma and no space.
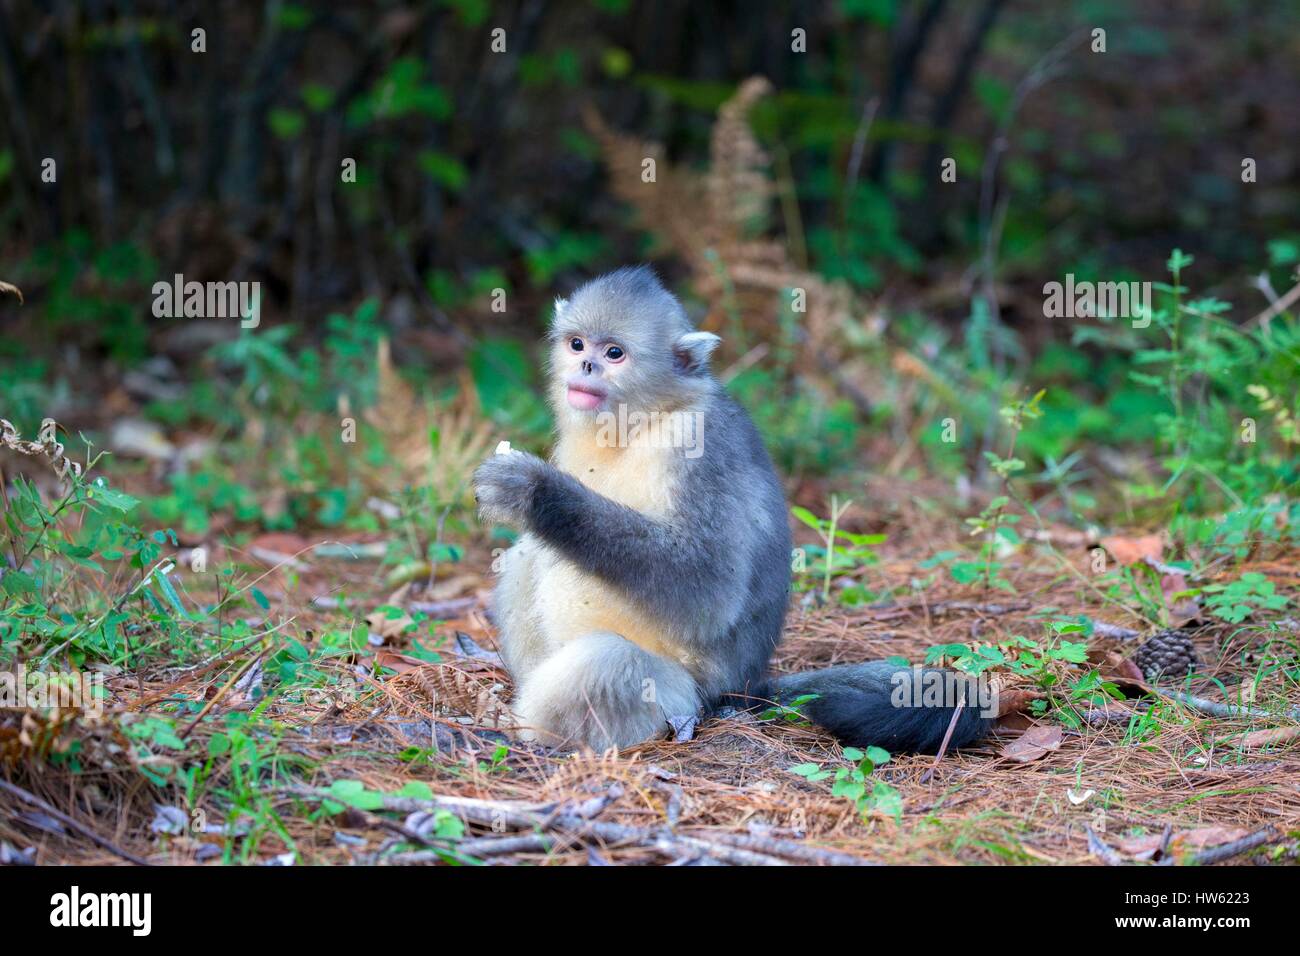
867,704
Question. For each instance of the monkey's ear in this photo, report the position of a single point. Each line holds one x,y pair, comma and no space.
693,349
560,306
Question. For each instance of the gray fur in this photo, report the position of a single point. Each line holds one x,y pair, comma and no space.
855,703
713,570
705,572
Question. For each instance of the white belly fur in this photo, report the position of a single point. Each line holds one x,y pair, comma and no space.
572,602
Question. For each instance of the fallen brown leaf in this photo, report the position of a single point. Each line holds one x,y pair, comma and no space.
1128,550
1172,584
1014,724
385,627
1140,847
400,663
1033,743
453,587
1203,837
1113,665
1266,738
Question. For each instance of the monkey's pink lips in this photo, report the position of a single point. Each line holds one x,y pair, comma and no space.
585,399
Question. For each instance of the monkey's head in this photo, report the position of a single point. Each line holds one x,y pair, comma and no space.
623,339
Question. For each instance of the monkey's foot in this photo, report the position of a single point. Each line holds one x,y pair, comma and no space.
603,691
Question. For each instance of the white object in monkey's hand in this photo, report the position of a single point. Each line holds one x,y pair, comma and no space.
505,485
503,448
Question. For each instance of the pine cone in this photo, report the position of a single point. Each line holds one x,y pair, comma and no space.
1166,654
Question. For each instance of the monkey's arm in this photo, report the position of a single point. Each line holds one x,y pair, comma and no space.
642,555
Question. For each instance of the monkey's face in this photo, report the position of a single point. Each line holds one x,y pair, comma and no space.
591,370
623,343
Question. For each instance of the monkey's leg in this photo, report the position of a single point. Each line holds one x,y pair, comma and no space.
602,690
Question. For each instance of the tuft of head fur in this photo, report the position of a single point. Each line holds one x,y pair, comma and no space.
665,366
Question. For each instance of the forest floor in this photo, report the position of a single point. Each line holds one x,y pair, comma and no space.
409,760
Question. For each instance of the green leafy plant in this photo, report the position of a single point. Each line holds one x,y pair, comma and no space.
805,434
789,712
1202,413
1238,600
856,783
48,592
1050,664
443,832
854,553
93,293
993,521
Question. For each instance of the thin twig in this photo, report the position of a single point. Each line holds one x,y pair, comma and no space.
859,147
207,708
947,737
1165,837
1281,305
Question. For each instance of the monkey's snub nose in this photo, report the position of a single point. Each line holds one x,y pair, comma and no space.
584,399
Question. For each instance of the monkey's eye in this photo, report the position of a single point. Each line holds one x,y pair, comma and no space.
575,344
614,354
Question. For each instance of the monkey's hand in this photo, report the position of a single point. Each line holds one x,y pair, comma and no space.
504,486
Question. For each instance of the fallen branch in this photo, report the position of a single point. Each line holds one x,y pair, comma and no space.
944,607
1226,851
737,849
1114,631
68,821
885,612
1213,708
448,608
477,847
1280,305
790,849
1100,716
278,559
442,847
